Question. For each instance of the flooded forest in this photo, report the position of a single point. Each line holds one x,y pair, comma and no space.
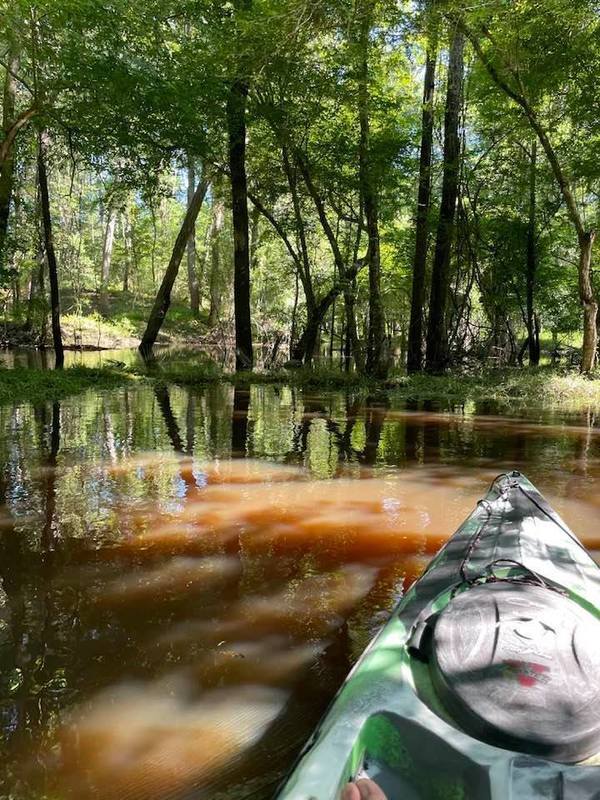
284,285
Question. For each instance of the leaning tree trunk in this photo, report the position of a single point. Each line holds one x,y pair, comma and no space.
163,297
236,129
50,253
376,363
193,285
533,333
437,335
7,168
415,332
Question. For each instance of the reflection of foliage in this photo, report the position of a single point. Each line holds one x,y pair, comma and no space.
117,486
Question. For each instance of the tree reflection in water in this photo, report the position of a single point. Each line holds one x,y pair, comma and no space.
188,575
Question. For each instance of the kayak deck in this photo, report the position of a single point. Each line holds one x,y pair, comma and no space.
387,721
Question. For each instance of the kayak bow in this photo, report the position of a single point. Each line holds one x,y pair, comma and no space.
485,682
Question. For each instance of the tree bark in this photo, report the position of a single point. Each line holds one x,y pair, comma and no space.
376,363
236,130
218,218
533,333
50,253
588,301
415,331
353,343
437,334
129,249
163,296
107,251
304,349
193,285
7,168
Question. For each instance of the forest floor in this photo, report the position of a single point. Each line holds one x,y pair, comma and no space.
506,391
115,324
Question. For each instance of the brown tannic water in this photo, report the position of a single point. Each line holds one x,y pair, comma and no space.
186,576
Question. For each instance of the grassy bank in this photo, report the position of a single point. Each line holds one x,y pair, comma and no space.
35,386
505,389
510,388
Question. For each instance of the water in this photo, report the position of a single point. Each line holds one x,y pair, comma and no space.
188,575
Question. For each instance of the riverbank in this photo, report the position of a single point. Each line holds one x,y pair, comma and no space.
35,386
508,389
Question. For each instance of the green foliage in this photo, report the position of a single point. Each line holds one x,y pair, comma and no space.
131,91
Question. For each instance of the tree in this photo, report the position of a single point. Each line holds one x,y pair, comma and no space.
512,79
236,133
192,273
377,362
437,333
50,252
163,296
8,120
415,331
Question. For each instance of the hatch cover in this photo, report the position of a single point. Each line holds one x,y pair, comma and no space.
518,666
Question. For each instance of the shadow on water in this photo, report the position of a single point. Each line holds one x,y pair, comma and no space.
187,575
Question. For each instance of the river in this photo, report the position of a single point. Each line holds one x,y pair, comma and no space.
187,575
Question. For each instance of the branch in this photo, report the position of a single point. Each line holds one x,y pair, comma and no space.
17,77
520,99
12,132
258,205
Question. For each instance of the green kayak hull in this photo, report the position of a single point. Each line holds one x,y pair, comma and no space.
388,722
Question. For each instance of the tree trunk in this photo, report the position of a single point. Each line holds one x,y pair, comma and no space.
415,332
236,130
437,335
8,165
107,251
353,343
376,363
532,323
216,227
129,250
294,313
304,348
30,299
193,286
50,253
163,297
588,301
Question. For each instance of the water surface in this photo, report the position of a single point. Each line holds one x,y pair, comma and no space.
186,576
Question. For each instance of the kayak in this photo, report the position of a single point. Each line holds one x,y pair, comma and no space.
485,681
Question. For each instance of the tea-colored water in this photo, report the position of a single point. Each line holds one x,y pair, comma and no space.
188,576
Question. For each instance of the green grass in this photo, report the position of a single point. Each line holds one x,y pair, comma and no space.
508,390
541,387
35,386
544,387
